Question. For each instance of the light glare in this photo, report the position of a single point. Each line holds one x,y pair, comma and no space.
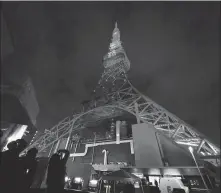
19,132
78,180
93,182
190,149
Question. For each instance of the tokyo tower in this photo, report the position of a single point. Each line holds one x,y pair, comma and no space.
114,96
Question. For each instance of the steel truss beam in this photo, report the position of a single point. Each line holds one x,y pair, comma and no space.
148,112
120,97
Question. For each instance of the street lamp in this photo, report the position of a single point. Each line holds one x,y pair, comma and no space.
191,151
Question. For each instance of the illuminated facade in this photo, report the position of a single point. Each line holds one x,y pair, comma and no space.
114,97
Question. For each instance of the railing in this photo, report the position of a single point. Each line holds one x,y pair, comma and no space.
110,167
102,139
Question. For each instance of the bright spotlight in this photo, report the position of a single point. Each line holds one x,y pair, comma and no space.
190,149
93,182
66,179
78,180
136,185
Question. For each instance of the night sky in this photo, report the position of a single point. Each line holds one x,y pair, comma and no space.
173,48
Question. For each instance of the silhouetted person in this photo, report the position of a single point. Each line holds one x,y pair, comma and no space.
156,183
64,155
21,145
8,160
28,165
19,174
57,171
53,179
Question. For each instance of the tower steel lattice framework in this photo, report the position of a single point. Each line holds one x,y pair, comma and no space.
113,96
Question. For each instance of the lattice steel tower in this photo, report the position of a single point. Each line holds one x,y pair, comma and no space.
114,95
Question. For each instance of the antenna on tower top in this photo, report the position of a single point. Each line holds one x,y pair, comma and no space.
116,24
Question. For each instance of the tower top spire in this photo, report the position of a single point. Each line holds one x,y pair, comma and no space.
116,54
116,34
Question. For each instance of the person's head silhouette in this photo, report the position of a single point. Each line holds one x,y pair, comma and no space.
55,158
21,144
12,145
32,153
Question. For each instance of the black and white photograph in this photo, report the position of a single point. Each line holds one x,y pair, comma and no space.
110,97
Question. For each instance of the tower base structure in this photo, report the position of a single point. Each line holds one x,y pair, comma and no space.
151,155
159,139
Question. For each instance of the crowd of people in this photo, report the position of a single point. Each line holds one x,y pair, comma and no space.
17,173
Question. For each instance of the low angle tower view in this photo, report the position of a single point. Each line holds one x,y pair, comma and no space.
122,130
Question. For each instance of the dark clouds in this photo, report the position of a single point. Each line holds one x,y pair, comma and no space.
173,49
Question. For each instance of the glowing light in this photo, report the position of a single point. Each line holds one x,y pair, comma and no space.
78,180
190,149
136,185
66,179
153,178
154,171
93,182
172,172
139,175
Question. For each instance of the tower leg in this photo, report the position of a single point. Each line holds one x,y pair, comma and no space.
137,113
